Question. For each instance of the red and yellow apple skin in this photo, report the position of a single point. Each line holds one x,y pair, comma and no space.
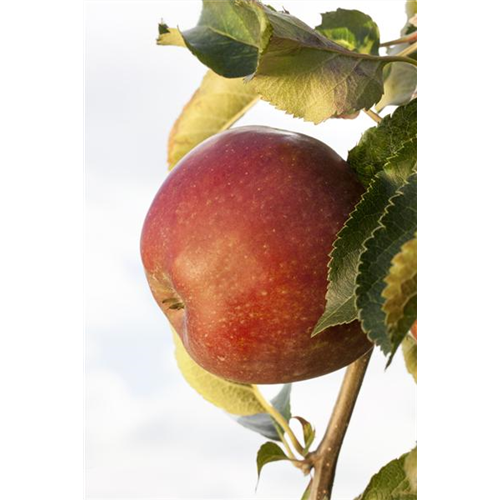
235,248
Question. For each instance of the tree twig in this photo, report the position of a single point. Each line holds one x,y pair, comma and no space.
405,39
408,50
374,116
326,456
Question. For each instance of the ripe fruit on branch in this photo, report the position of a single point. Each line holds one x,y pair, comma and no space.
235,248
414,329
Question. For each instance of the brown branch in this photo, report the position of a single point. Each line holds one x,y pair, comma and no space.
326,456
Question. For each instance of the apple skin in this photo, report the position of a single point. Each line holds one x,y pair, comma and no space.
235,248
414,329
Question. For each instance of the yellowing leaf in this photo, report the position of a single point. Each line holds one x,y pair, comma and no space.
401,291
214,107
418,358
237,399
418,466
308,76
170,36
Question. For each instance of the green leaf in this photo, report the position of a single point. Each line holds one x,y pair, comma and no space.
307,75
418,358
282,401
400,293
348,247
418,467
384,141
307,492
269,452
169,36
162,28
228,37
397,226
237,399
362,222
308,432
215,106
400,79
394,481
294,67
400,83
263,423
352,29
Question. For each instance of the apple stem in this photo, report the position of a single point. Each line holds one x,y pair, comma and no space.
325,457
280,419
374,116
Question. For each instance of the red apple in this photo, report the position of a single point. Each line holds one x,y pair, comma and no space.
235,248
414,329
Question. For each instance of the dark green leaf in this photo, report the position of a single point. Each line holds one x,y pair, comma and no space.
269,452
308,432
384,141
352,29
170,36
162,28
410,27
228,37
348,247
262,422
397,226
395,481
365,218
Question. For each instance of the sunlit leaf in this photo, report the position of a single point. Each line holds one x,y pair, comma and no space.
400,293
237,399
395,481
352,29
215,106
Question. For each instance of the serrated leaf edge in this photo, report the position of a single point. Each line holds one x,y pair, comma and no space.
380,227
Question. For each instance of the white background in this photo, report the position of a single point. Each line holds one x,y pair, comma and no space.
148,434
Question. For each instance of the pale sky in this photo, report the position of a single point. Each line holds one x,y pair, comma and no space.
148,434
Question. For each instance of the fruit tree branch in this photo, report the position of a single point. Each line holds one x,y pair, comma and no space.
326,456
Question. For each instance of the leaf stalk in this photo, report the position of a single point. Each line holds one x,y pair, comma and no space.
278,417
374,116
